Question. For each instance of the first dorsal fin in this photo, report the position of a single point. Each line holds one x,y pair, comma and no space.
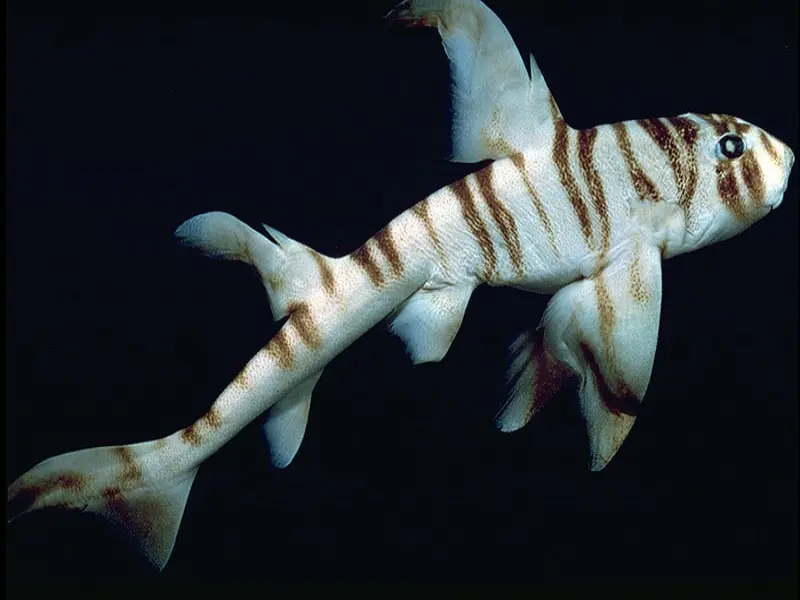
497,106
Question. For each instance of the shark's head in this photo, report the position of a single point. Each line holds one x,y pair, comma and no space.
739,174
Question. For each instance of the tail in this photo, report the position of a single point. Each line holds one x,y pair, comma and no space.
132,486
290,272
144,487
330,304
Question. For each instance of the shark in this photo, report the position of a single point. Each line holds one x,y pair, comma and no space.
586,216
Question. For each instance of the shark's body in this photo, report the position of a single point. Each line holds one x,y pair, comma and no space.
587,215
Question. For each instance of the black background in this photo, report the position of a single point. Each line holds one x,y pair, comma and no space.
124,119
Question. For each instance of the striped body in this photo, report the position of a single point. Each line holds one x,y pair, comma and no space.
541,219
588,215
537,221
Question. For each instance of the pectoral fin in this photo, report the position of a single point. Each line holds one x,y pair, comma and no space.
605,330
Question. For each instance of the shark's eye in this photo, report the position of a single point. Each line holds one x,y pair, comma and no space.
730,146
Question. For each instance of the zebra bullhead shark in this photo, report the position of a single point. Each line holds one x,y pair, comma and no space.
585,215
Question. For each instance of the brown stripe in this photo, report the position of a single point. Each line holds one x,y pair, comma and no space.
113,495
638,289
213,418
773,153
420,210
212,421
280,350
663,138
325,273
719,125
618,396
753,178
550,375
476,226
26,496
688,133
726,123
242,380
191,436
387,246
518,160
728,188
71,481
130,470
645,188
586,140
305,325
502,217
622,402
605,310
364,259
497,147
561,160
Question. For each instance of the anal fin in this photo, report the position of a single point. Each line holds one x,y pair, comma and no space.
429,320
286,422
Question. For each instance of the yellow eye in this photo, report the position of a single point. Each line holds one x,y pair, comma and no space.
730,146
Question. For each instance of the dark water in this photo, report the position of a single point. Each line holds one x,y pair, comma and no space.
325,124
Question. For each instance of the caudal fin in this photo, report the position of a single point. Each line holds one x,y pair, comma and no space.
131,486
